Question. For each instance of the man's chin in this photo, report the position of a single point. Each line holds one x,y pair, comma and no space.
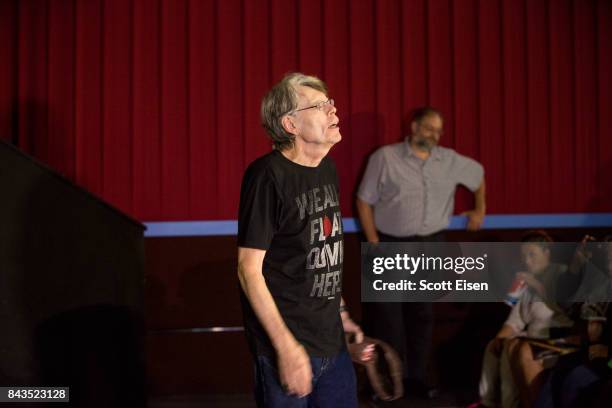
426,145
335,137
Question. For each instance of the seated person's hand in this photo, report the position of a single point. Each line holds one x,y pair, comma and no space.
532,282
582,252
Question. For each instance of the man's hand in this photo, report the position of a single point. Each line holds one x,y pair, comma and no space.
294,371
529,279
366,218
532,282
475,219
362,353
352,329
582,250
582,254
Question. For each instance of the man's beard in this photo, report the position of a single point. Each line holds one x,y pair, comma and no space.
425,143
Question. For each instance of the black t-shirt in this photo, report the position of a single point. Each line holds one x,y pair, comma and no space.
293,212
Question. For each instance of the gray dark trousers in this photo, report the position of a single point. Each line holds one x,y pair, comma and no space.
407,327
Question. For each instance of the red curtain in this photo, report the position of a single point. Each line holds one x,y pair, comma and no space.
153,104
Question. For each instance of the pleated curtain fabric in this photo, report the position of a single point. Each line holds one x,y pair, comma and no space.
154,104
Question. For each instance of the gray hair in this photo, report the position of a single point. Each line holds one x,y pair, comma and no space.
282,100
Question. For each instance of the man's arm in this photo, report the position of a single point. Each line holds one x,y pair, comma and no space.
366,218
293,362
361,353
505,332
476,216
369,192
348,324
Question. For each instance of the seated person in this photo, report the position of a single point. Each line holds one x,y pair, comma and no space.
535,313
584,378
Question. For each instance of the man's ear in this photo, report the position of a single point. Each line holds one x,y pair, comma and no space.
288,125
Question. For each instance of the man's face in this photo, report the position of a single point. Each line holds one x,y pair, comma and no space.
535,258
426,133
315,126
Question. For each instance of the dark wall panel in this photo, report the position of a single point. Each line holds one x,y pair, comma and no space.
72,288
191,284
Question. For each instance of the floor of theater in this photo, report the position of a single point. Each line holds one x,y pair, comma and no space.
446,400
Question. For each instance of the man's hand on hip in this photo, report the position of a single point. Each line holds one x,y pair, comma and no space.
475,219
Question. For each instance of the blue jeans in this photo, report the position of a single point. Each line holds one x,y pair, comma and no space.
333,384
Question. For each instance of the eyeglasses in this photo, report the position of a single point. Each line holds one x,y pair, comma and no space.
432,129
320,106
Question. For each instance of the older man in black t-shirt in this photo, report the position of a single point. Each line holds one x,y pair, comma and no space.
290,253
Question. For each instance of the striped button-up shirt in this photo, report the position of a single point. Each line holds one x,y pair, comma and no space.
412,196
